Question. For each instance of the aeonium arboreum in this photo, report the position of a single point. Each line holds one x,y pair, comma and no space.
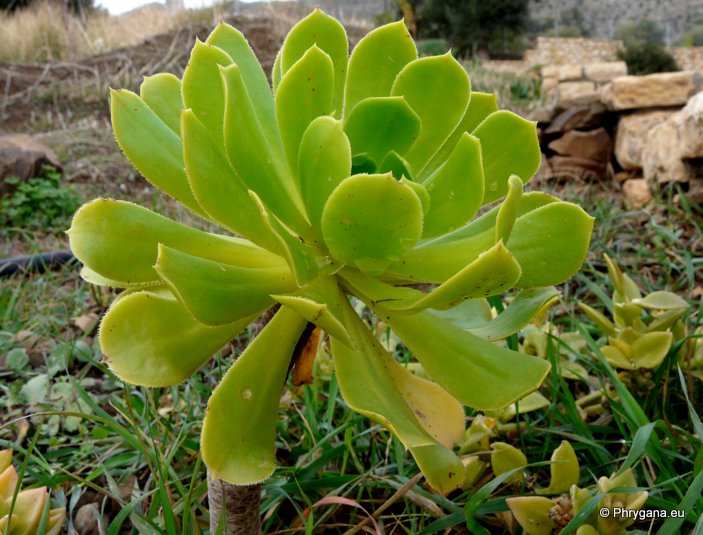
355,176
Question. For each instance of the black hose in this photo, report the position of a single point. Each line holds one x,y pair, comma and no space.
36,263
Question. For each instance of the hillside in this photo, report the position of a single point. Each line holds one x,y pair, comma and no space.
602,17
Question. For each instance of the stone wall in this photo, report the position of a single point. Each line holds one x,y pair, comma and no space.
568,51
564,50
688,58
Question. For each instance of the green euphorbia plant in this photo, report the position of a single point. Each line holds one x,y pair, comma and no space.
351,176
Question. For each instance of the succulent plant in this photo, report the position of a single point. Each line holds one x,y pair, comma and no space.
25,512
539,515
633,343
352,176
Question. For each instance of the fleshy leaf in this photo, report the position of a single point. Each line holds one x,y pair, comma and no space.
649,350
661,301
383,52
498,376
218,187
318,303
276,72
329,35
233,42
92,277
532,513
550,243
150,339
564,469
376,291
217,293
505,458
238,438
153,148
305,93
438,90
460,247
27,512
398,166
481,105
517,315
493,272
421,192
119,240
508,211
370,221
162,93
510,147
202,87
257,155
364,377
304,259
379,125
602,322
324,161
456,189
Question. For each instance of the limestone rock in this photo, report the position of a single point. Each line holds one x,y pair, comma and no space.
604,71
636,193
578,168
584,116
545,114
592,145
661,157
23,156
571,94
568,73
631,136
652,90
690,127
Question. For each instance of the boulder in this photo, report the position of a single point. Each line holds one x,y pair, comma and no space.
592,145
605,71
571,94
661,157
566,73
690,126
631,136
584,116
579,168
651,91
636,193
23,156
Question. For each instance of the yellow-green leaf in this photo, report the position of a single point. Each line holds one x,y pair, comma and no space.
375,63
510,147
498,376
162,93
150,339
239,429
217,293
153,148
437,89
305,93
371,220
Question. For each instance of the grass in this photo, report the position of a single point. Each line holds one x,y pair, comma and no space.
47,32
133,452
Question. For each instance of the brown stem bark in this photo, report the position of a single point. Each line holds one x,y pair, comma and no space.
234,510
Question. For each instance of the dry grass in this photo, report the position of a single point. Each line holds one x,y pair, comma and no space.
47,32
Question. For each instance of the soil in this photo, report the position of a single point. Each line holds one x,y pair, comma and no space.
35,98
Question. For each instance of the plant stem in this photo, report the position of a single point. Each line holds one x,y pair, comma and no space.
234,510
